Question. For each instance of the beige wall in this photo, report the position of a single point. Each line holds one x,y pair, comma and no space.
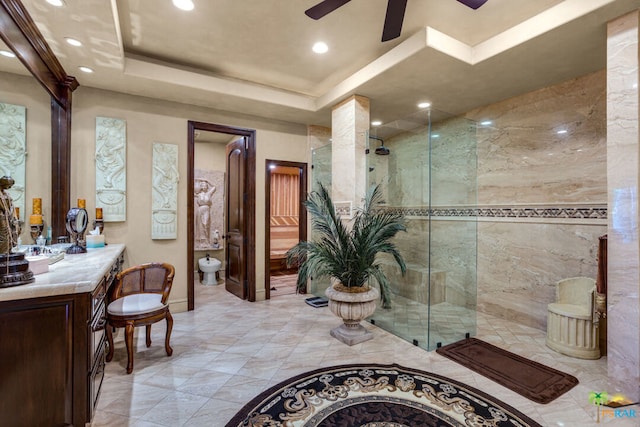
148,121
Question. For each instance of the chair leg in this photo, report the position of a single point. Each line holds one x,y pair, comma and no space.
109,329
148,330
167,337
128,330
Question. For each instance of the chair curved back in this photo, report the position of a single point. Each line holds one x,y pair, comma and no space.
576,290
153,277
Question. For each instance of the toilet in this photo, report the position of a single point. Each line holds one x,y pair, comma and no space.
209,266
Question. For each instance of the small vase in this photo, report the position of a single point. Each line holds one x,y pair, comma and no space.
352,307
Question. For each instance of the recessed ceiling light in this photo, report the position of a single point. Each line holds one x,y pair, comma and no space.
435,135
86,69
56,3
486,123
562,131
73,42
424,105
376,123
183,4
320,47
7,54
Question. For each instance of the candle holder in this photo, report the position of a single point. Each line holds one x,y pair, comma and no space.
36,230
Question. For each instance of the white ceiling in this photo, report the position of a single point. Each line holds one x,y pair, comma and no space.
254,56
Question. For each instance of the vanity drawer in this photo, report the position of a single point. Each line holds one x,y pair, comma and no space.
97,334
95,379
97,297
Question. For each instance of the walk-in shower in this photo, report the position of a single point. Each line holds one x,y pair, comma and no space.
428,171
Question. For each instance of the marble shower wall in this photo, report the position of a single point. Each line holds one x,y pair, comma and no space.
451,165
544,195
537,198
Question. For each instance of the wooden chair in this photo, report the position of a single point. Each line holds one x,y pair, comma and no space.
138,298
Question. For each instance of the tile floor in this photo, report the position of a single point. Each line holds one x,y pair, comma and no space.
227,351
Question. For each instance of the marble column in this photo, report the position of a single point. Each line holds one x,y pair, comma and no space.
349,126
623,150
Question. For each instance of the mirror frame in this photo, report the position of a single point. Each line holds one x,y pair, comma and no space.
20,33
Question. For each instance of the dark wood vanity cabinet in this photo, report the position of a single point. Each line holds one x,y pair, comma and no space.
52,356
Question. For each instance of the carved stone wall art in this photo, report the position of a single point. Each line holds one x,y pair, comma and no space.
164,202
208,210
13,151
111,168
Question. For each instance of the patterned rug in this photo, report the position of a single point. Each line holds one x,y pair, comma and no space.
371,395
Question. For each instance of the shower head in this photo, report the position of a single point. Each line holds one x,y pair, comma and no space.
382,150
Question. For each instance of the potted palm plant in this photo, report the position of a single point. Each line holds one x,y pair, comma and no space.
350,257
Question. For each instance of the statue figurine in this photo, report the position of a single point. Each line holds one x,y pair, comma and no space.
9,224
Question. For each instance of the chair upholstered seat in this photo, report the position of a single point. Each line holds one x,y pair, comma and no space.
132,305
140,297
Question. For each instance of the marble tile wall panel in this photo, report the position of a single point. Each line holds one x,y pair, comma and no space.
623,151
521,163
350,122
519,264
522,158
408,169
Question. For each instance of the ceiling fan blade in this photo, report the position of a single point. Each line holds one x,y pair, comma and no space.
324,7
393,19
473,4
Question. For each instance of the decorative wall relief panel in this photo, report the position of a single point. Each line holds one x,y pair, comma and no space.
208,202
13,143
111,168
164,202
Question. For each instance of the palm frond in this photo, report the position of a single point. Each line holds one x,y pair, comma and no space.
349,255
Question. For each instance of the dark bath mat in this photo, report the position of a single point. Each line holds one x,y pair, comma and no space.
528,378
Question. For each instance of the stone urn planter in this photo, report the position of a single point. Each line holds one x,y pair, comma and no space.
352,305
347,252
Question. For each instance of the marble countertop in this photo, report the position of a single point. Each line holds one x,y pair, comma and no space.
77,273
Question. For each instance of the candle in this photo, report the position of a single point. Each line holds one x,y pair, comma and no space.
37,206
17,213
98,213
82,204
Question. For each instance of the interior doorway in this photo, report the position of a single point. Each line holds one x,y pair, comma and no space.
242,168
286,222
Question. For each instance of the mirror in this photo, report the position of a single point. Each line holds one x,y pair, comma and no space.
25,129
21,35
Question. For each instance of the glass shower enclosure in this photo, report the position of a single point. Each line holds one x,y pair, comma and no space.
426,165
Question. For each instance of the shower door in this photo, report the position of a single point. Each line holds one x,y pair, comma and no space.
320,174
430,174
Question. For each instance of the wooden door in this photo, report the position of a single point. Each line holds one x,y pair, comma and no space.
236,228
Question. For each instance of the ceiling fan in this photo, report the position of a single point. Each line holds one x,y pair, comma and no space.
393,19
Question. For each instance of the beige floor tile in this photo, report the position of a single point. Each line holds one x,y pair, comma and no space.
227,351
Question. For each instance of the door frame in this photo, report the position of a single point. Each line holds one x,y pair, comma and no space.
302,219
249,208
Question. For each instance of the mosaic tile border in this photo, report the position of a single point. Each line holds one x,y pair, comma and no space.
595,212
